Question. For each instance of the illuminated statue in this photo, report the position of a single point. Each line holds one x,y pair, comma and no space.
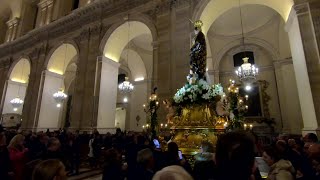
198,54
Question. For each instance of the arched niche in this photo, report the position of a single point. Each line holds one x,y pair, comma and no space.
61,57
17,85
209,11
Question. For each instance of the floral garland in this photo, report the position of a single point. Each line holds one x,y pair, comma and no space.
198,93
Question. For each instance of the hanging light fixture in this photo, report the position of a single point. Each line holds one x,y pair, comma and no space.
246,72
60,96
17,101
126,86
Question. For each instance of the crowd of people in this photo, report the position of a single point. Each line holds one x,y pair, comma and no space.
59,154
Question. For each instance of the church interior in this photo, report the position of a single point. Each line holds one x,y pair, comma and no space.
103,65
86,48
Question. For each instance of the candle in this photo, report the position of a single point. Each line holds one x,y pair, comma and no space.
245,126
251,126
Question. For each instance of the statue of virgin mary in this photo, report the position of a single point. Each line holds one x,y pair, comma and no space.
198,54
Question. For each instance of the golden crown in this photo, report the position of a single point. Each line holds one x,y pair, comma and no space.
198,24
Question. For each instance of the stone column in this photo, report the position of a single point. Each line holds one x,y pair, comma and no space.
49,115
12,29
108,94
139,96
155,55
300,66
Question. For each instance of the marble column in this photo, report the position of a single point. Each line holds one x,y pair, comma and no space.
49,115
155,55
310,123
139,96
108,94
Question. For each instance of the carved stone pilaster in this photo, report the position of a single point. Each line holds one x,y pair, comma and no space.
12,29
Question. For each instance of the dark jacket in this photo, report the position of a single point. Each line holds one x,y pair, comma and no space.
4,163
204,166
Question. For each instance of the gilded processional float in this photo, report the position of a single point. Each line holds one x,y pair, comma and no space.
202,111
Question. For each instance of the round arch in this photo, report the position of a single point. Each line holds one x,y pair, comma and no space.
120,37
249,41
209,10
20,70
60,57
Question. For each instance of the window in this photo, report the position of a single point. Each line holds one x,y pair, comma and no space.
75,4
237,58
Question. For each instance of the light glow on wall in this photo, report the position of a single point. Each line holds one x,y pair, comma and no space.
19,80
139,79
56,71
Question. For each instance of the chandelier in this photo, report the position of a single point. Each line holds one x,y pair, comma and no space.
59,97
246,72
126,86
16,103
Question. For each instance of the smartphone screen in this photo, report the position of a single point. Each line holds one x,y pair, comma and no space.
156,143
180,154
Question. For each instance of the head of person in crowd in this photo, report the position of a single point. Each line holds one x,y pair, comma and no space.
311,138
17,142
51,169
173,150
235,156
281,146
206,147
173,172
112,156
53,144
292,143
271,155
145,158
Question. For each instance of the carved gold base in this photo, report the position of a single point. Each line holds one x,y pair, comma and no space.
195,125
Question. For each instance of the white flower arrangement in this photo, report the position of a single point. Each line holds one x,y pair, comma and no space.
200,92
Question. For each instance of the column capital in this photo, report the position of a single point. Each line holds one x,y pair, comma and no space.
12,22
45,3
108,61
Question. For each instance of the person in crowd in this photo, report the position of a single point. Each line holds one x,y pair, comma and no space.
235,156
90,154
311,138
53,150
173,158
173,172
4,157
204,166
113,168
51,169
280,169
145,168
18,155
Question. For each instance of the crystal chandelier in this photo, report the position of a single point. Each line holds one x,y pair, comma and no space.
59,97
16,103
126,86
247,72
